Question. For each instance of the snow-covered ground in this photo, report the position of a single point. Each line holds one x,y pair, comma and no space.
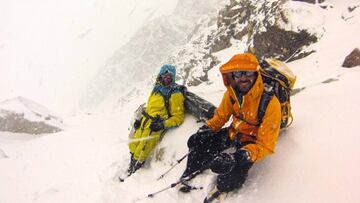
317,158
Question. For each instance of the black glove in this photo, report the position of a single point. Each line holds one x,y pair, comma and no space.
202,136
204,129
242,157
157,125
225,162
137,124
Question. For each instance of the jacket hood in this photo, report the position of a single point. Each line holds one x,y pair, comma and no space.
168,68
239,62
159,87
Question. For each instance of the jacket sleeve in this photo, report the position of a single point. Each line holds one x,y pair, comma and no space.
177,111
222,113
268,132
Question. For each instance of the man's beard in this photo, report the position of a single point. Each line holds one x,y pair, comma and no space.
244,90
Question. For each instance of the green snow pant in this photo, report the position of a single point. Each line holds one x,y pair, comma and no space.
144,142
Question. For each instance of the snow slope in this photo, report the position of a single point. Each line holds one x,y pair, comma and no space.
316,159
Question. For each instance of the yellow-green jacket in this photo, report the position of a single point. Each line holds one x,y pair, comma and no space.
145,139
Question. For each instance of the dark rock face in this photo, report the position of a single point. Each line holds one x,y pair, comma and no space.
311,1
353,7
353,59
220,43
250,24
281,44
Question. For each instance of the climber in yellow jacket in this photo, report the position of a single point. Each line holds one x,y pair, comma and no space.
164,110
247,139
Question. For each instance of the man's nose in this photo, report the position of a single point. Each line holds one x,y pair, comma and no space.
242,77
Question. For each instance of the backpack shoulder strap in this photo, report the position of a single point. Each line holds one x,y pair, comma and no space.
264,102
166,101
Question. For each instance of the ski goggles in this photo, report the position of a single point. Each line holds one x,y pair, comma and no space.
238,74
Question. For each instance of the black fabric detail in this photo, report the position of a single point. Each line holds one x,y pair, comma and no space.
264,102
134,165
137,124
206,149
223,163
157,124
233,180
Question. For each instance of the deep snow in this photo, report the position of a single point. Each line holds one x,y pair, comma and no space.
317,158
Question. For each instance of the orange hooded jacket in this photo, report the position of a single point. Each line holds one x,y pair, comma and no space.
244,114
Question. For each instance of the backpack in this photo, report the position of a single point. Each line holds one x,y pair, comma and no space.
194,104
278,80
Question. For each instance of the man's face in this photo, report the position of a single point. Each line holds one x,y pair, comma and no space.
166,79
244,80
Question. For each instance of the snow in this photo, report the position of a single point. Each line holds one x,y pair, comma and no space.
31,110
316,159
304,16
63,44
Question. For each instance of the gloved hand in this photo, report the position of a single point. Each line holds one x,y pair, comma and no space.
204,129
157,125
137,124
242,157
200,137
225,162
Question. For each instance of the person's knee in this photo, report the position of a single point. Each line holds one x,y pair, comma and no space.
132,147
227,184
200,141
233,180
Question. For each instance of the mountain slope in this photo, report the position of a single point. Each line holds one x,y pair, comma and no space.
316,158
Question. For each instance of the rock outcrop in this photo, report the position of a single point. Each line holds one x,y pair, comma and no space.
353,59
258,27
311,1
21,115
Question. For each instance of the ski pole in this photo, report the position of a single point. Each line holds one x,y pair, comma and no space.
177,162
189,187
176,183
173,185
129,173
168,187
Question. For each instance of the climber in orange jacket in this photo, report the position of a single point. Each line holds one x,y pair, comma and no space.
247,140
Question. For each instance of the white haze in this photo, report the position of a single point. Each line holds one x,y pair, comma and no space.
50,50
316,160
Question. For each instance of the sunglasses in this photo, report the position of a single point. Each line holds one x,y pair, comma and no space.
238,74
166,75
